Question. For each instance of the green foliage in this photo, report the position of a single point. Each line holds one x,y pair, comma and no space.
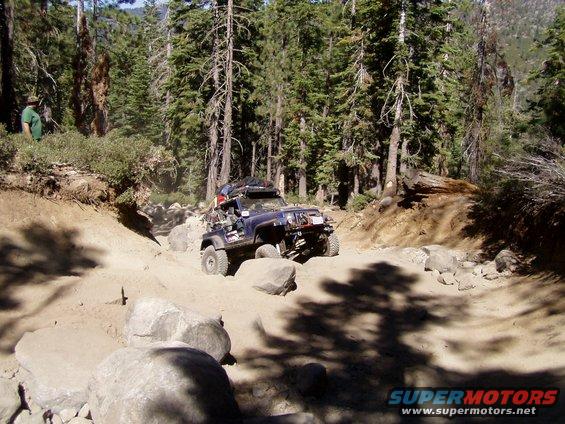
124,161
168,199
548,108
7,150
361,201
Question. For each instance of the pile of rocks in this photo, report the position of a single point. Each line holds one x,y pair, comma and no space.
170,371
164,219
466,270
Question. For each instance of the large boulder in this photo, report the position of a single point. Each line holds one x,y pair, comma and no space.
268,275
151,320
442,261
165,382
57,363
186,236
9,400
506,260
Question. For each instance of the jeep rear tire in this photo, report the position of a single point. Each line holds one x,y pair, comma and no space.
267,251
332,245
215,262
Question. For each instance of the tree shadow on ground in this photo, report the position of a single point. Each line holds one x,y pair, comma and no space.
499,220
361,335
207,396
36,255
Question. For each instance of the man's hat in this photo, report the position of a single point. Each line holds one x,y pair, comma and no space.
32,99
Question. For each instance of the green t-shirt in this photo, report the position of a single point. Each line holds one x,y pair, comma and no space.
30,116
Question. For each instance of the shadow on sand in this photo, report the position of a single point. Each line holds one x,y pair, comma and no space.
364,365
35,256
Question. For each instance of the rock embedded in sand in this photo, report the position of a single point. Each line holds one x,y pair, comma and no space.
268,275
443,261
165,382
56,364
84,411
447,278
79,420
67,414
506,260
9,399
151,320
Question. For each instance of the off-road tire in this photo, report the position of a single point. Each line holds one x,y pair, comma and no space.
332,245
267,251
215,262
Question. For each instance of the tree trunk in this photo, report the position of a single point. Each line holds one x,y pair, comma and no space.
356,181
8,107
321,194
475,135
404,156
279,174
227,125
253,157
390,178
423,183
214,112
270,151
302,187
81,90
169,50
100,88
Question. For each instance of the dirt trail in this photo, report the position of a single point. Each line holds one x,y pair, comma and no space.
373,317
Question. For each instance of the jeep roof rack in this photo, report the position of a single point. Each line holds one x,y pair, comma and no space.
254,190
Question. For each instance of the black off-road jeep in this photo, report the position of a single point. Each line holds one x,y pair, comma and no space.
255,221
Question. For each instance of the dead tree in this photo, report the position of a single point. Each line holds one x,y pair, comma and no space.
8,108
100,88
81,91
279,174
302,187
474,138
399,96
228,103
213,112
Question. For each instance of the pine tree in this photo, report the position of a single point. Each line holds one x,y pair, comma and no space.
548,107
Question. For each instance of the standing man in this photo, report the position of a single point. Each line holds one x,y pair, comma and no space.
31,122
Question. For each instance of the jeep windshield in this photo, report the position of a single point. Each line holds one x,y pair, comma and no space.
262,204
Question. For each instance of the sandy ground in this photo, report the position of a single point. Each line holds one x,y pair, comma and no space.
372,317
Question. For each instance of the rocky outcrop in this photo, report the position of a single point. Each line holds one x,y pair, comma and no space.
268,275
9,400
187,236
165,382
151,320
56,364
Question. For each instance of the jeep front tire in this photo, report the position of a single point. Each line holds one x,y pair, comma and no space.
215,262
331,247
267,251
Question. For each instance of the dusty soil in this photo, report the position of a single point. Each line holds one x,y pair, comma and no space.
374,318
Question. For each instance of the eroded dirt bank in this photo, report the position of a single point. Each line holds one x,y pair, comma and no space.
372,316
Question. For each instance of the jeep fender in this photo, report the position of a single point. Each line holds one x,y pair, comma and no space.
215,241
272,228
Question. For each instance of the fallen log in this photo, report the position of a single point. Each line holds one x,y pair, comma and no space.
420,182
